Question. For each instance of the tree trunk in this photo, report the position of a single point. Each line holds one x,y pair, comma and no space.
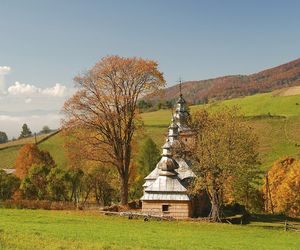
124,190
215,208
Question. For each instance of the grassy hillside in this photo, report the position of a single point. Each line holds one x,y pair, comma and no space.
261,104
28,229
54,145
275,119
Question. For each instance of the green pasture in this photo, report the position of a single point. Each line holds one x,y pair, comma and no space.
37,229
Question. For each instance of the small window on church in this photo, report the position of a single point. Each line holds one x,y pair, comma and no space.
165,208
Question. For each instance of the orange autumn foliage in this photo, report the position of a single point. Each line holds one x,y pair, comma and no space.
105,105
29,155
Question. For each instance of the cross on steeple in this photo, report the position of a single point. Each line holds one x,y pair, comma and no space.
180,83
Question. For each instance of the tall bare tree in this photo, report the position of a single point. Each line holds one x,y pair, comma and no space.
106,106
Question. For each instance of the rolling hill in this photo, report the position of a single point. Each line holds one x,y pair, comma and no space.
51,142
228,87
275,118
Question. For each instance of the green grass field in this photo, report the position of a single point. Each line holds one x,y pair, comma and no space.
266,103
278,136
28,229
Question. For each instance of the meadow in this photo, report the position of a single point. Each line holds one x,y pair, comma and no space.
23,229
9,150
273,117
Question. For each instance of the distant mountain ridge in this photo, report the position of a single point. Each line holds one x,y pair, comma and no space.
232,86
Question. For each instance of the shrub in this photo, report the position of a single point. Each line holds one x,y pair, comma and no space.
8,185
37,204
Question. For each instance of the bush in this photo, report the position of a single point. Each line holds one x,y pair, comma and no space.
38,204
8,185
34,185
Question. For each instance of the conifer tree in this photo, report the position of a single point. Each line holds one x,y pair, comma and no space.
148,157
25,132
3,137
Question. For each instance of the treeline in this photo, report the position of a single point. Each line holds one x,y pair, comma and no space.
39,179
228,87
148,106
154,105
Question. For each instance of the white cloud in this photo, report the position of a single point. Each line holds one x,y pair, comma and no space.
18,88
4,70
58,90
22,88
7,118
28,100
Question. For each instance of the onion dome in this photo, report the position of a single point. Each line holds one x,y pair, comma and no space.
167,165
181,114
173,131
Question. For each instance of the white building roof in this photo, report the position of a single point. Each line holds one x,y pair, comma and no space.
184,171
166,184
153,175
165,197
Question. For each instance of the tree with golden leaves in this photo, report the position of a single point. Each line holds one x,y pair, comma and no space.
290,191
225,158
282,187
105,104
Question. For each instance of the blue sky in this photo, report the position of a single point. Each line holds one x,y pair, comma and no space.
45,43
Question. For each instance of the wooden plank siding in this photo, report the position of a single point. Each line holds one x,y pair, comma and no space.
177,209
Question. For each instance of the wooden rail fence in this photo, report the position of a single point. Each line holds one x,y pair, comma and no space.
291,227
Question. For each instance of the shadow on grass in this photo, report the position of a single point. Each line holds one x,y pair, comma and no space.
273,218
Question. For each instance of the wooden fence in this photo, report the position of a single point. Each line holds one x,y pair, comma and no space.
291,227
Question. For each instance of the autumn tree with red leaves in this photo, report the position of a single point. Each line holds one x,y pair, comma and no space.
105,104
30,155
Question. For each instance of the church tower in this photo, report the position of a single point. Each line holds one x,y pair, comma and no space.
182,119
165,188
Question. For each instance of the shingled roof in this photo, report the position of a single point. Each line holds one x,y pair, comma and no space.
167,180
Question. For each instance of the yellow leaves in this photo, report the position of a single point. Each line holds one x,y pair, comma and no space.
225,156
284,187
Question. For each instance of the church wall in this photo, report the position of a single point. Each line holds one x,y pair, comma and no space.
176,209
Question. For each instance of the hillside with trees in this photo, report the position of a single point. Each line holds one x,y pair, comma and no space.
232,86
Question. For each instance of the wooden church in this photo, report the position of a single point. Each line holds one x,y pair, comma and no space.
166,187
